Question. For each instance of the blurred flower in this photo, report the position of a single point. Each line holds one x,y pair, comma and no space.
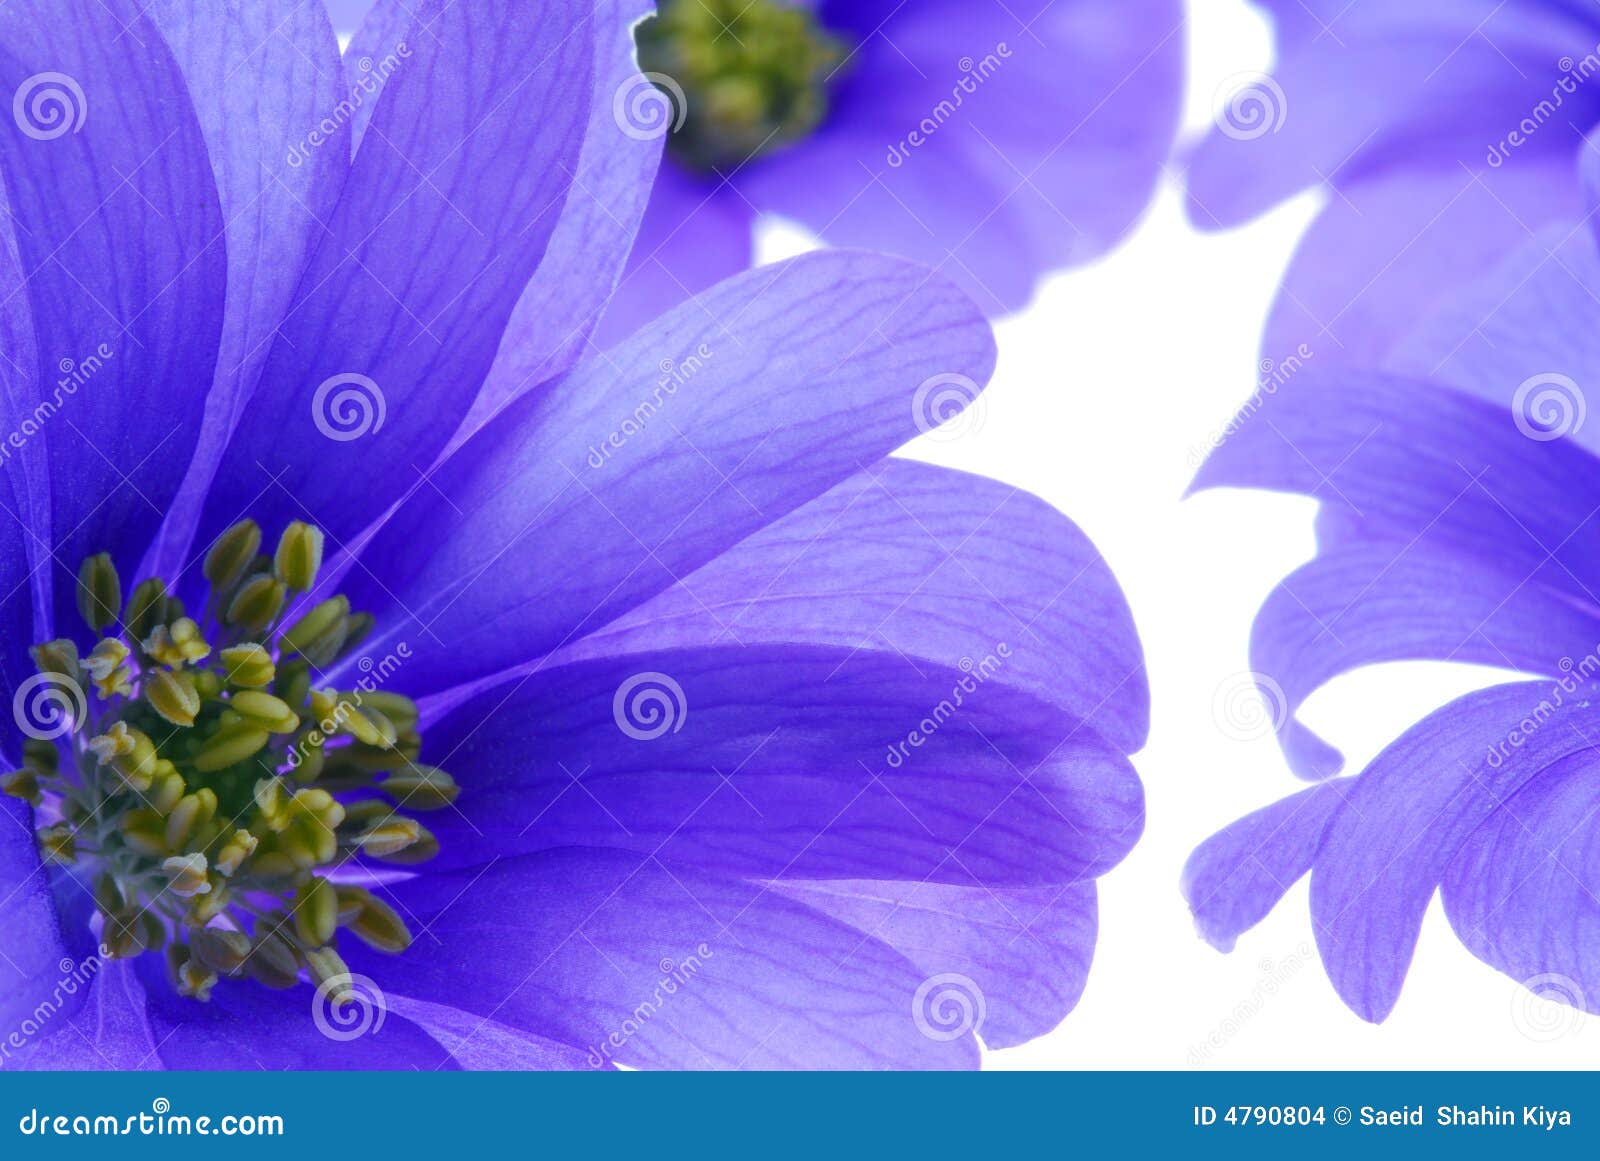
1442,134
751,727
1461,522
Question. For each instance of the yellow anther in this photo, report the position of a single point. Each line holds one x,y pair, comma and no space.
129,752
147,608
331,974
177,644
315,912
248,666
320,633
372,920
186,875
23,784
272,803
273,960
145,830
195,981
57,844
125,934
220,950
299,556
192,812
166,788
421,787
232,743
257,603
400,710
109,669
204,908
388,838
99,592
264,710
234,551
239,847
172,694
59,657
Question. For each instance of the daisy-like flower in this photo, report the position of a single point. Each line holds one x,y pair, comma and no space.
995,141
408,691
1442,132
1465,512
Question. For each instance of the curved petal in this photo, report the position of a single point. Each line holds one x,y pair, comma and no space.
121,243
1385,853
1435,83
784,761
1392,242
1026,950
928,563
266,82
347,15
30,934
481,1044
1396,601
1238,874
1414,459
1520,892
246,1026
110,1032
448,208
995,141
577,504
658,965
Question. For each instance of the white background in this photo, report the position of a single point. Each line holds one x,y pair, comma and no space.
1108,388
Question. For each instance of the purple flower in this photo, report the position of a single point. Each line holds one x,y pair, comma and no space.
1459,523
1444,132
995,141
542,707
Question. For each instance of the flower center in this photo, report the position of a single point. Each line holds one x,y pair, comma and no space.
752,75
191,772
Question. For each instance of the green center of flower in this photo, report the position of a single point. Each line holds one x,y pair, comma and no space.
751,75
193,774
